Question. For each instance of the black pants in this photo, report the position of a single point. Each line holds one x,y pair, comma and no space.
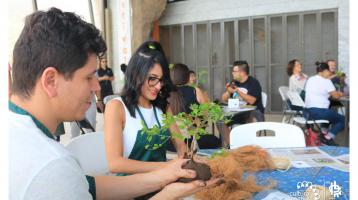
205,142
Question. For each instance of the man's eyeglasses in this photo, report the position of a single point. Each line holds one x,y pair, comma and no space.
234,71
153,81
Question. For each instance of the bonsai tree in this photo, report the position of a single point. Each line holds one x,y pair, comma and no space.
195,124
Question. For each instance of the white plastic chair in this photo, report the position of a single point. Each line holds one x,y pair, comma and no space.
296,100
89,150
109,97
285,135
264,99
287,111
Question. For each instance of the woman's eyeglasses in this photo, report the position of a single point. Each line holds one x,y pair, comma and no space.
153,81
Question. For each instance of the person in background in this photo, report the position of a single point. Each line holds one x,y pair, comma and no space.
319,89
123,68
180,75
183,97
332,64
143,100
297,80
63,64
105,78
192,78
335,78
338,80
246,88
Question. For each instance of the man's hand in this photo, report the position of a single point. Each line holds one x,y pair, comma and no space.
230,89
173,171
179,190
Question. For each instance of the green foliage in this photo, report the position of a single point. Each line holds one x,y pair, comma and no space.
221,153
202,77
195,122
340,74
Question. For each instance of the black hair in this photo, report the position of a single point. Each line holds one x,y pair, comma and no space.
179,74
148,54
52,39
291,66
321,66
243,65
330,60
192,72
123,67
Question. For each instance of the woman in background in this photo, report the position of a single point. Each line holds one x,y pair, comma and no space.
296,81
183,97
319,89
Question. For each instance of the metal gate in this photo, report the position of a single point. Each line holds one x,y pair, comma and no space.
267,43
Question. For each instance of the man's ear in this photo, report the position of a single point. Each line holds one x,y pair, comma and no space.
49,81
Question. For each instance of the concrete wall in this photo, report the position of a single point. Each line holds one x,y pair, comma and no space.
144,13
119,77
207,10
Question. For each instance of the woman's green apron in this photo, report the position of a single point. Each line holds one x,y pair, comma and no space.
139,152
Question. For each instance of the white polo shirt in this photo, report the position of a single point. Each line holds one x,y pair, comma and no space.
40,167
318,90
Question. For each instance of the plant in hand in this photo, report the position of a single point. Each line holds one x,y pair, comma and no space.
195,123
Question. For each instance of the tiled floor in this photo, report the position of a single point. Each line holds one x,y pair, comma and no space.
99,127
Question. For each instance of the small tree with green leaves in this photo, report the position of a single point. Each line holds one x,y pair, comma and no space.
194,122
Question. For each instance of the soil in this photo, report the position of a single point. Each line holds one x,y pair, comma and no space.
202,170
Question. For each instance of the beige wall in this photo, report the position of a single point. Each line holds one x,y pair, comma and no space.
144,12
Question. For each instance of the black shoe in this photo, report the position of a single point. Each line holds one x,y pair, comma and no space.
329,142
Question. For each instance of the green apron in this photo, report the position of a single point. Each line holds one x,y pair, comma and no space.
139,152
16,109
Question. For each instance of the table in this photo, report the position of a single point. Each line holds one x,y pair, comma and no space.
230,112
233,111
287,181
345,102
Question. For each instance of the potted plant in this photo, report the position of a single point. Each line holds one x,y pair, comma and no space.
195,123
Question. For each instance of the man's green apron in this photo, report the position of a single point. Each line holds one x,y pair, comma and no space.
16,109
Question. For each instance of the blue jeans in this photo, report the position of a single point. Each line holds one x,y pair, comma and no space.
335,119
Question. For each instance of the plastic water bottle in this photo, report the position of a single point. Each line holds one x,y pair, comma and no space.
235,95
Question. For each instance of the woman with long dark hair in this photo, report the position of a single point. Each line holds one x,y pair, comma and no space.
186,95
180,76
143,100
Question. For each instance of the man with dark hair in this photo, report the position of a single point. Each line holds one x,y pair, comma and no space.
54,80
245,86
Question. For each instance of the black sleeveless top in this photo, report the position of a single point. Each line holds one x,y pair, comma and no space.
189,96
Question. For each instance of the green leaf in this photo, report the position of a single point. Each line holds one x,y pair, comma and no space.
221,153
